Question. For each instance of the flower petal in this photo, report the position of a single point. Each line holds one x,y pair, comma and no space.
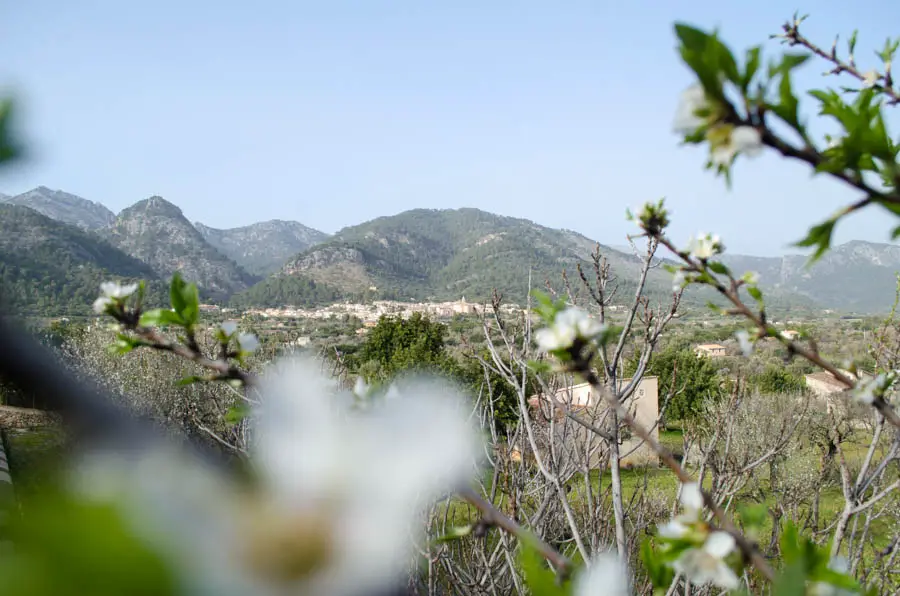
606,576
719,544
691,496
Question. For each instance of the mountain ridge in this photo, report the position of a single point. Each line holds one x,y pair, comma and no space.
157,232
429,254
65,207
264,246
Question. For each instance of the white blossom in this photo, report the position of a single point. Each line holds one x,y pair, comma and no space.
111,289
691,499
229,327
678,280
248,342
704,246
751,278
567,326
744,342
360,388
110,293
742,140
869,79
372,471
868,391
692,100
706,565
336,508
606,575
101,304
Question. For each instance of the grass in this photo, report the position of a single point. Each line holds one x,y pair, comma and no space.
34,455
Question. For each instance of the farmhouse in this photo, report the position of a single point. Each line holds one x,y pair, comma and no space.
711,350
583,401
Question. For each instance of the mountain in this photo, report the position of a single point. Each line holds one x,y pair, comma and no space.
65,207
856,276
442,255
262,247
156,232
49,267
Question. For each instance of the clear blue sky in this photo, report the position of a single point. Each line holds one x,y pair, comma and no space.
335,112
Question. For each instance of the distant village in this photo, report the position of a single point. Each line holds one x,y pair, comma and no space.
371,312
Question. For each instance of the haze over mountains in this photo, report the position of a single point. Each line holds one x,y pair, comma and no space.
58,246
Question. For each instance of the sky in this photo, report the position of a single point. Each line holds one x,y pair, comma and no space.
333,113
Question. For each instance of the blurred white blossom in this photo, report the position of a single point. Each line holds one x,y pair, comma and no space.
706,565
248,342
567,326
679,279
112,292
229,327
691,105
691,499
360,388
751,278
743,338
336,508
606,575
730,142
867,391
704,246
869,79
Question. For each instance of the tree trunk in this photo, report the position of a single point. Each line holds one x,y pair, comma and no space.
616,479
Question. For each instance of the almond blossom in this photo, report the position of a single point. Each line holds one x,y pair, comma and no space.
691,104
112,293
606,575
728,142
691,499
704,246
706,565
568,325
336,507
870,78
744,342
248,342
228,327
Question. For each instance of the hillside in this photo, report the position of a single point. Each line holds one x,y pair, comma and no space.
855,276
262,247
64,207
50,268
156,232
446,254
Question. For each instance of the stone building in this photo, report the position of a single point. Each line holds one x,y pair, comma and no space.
583,401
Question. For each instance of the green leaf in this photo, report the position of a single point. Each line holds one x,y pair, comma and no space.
818,236
455,533
185,299
69,547
791,581
718,267
8,149
125,343
751,67
160,317
237,412
660,574
191,380
692,38
176,295
755,292
540,579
